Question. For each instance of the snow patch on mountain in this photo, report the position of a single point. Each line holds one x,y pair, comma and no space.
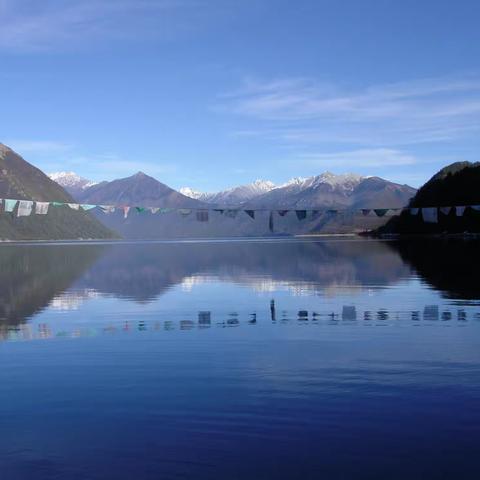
232,196
71,180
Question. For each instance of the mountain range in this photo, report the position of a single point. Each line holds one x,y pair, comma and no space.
325,190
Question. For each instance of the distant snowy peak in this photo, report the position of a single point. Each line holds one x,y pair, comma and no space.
345,181
71,180
189,192
232,196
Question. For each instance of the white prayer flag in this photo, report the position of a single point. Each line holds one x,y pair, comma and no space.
24,208
41,208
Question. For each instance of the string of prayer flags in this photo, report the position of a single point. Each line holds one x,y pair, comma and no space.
430,215
24,208
202,215
10,205
41,208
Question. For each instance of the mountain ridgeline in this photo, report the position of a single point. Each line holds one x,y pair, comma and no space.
322,191
455,185
20,180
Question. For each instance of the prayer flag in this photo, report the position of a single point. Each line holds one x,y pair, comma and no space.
107,208
24,208
250,213
184,212
10,205
366,211
414,211
41,208
202,215
380,212
74,206
231,213
430,215
282,213
460,211
87,207
301,214
445,210
125,211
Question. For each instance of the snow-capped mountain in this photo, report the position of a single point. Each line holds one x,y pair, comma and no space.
71,182
189,192
330,190
233,196
342,185
346,181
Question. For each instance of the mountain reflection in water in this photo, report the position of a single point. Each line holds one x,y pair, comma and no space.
336,358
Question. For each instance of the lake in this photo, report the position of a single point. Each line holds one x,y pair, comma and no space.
330,358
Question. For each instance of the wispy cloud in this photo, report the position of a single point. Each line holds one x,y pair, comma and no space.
379,157
39,147
302,111
58,25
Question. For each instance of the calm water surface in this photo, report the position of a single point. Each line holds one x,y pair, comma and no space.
329,359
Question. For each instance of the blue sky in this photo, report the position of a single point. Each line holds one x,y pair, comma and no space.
213,93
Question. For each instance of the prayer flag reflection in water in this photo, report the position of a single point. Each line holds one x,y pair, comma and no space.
244,359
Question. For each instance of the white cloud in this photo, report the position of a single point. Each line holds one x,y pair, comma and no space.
302,111
58,25
379,157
